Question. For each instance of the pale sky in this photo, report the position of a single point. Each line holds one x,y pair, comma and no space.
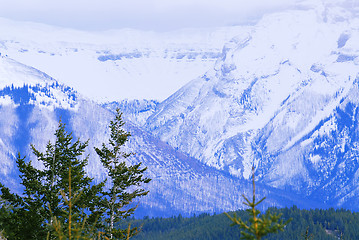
157,15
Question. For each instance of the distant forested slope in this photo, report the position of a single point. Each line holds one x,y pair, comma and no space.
321,224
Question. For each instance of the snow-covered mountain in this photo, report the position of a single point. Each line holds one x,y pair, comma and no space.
31,103
119,64
282,96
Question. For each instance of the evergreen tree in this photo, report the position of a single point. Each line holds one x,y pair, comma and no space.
125,179
259,225
74,230
32,212
306,235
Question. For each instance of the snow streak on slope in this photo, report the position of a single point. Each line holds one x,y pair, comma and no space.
136,111
115,65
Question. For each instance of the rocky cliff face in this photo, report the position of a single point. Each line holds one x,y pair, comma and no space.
118,64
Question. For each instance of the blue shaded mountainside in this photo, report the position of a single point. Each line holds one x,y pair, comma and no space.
18,119
328,157
340,148
181,184
17,124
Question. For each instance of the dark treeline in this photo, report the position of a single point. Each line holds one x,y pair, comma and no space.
312,224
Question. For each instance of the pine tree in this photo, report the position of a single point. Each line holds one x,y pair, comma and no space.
259,225
40,201
306,235
74,229
125,179
26,218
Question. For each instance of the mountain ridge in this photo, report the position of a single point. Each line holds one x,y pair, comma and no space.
282,96
264,102
136,64
180,184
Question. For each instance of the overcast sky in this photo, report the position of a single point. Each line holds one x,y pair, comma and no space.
157,15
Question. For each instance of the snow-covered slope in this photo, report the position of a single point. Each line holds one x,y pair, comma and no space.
114,65
136,111
276,90
283,95
30,107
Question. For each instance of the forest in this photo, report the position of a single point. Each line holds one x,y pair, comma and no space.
315,224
